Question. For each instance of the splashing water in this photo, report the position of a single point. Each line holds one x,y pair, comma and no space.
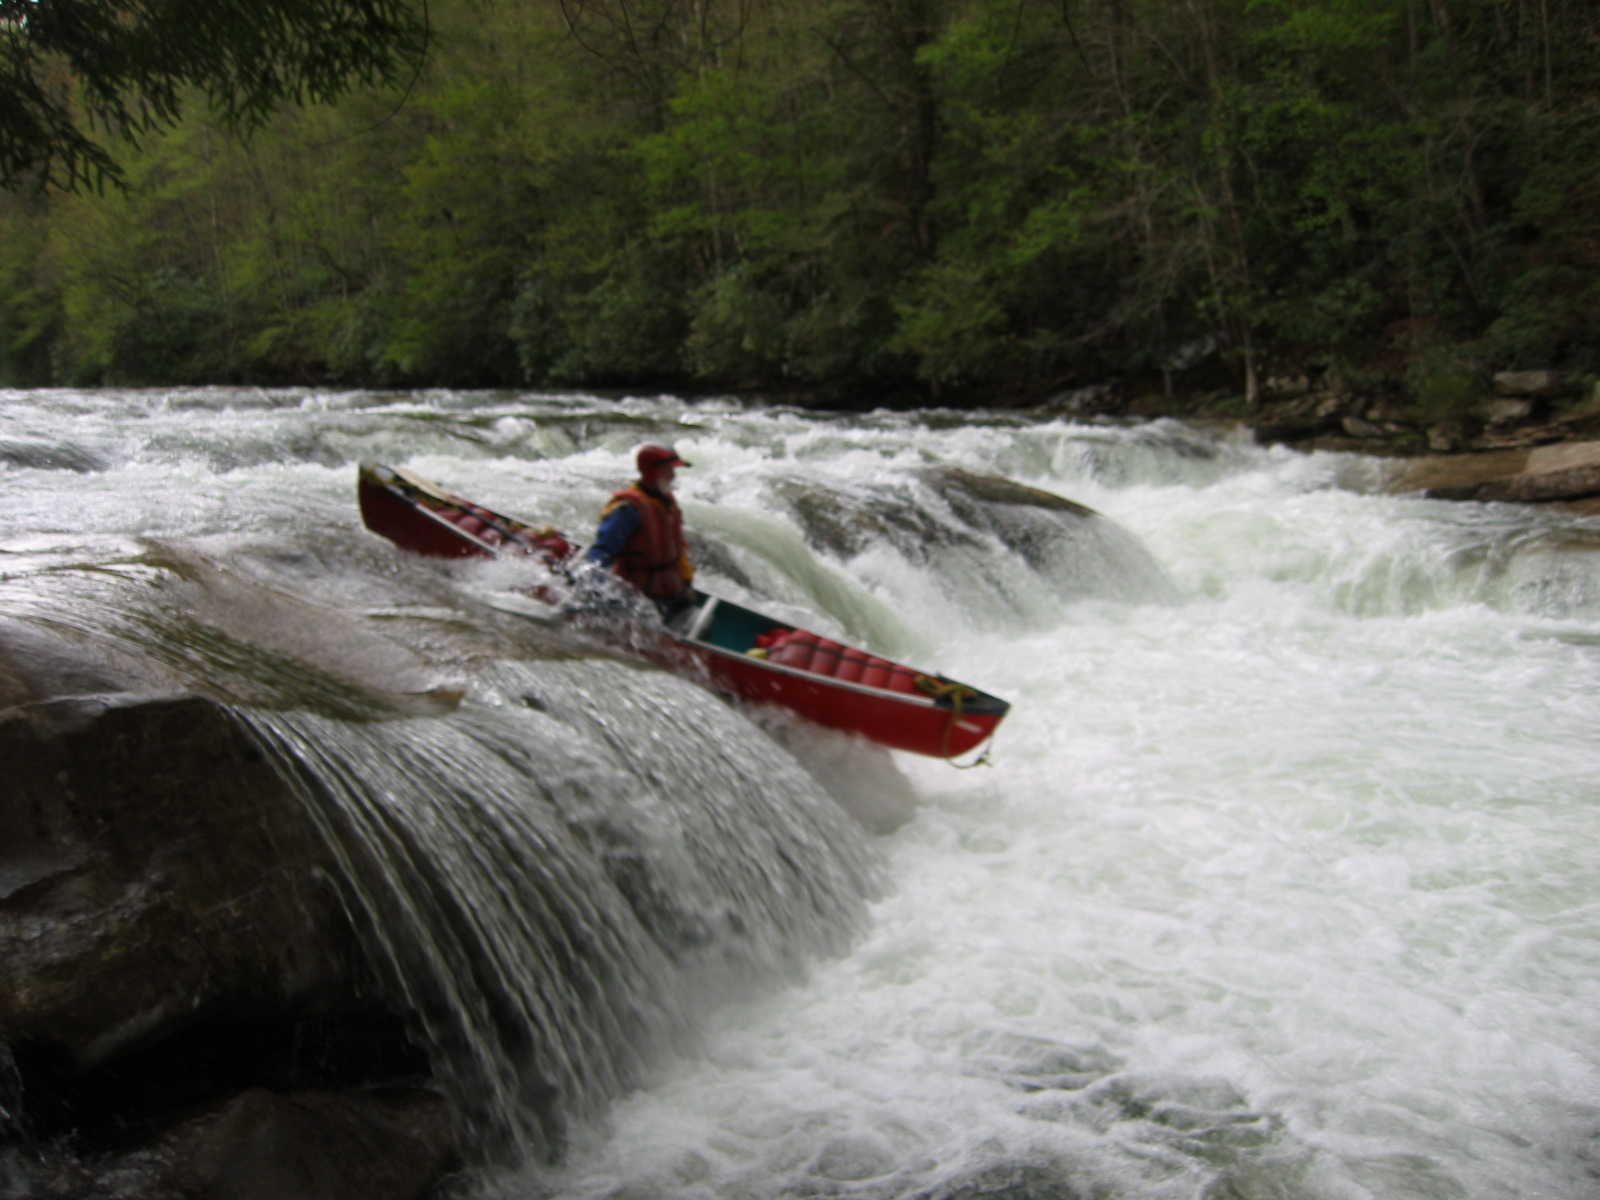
551,904
1284,884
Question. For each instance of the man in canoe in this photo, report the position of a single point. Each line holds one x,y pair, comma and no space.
641,533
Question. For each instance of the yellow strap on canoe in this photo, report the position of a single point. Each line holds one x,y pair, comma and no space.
958,693
938,688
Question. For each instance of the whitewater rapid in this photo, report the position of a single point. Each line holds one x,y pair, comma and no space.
1283,882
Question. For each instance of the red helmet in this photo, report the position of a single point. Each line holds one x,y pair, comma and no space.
652,456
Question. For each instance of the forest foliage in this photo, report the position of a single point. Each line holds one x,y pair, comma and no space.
868,201
73,72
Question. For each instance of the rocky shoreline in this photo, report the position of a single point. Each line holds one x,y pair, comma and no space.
1530,437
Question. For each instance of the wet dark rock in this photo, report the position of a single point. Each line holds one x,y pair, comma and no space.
156,870
1301,419
1025,519
262,1145
170,931
995,489
844,526
312,1146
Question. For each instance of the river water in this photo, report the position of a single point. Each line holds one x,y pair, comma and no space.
1282,881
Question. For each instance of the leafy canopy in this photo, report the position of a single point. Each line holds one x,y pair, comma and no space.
75,72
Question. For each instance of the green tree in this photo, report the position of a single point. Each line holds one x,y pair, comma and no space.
68,67
30,316
863,199
1017,266
307,261
500,139
140,293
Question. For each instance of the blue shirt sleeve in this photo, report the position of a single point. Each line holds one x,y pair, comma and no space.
616,530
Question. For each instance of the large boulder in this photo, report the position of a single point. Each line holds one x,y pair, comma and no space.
153,868
180,976
1566,471
1541,382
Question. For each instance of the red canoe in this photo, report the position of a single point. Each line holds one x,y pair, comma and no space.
741,651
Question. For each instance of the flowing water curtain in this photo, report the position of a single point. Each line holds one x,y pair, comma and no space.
758,868
551,895
532,981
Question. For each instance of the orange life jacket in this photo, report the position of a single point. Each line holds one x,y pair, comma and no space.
656,560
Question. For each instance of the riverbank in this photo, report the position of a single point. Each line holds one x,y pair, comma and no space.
1532,436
